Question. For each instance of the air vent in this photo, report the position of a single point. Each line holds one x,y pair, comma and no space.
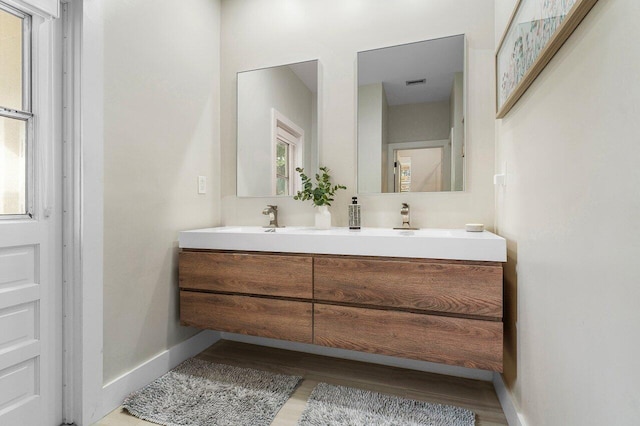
415,82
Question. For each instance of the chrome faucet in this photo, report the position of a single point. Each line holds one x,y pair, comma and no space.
272,211
404,212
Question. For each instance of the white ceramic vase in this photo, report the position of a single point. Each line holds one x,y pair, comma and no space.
323,217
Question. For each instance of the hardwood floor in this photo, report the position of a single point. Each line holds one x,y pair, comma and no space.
475,395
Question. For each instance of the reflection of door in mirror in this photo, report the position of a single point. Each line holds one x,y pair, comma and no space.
288,154
419,169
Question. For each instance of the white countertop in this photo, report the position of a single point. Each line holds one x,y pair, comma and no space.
454,244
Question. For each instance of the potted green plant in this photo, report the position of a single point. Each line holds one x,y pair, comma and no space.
321,195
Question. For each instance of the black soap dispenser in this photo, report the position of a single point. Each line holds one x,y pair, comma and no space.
354,214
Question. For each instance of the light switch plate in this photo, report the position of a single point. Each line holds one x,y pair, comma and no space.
202,184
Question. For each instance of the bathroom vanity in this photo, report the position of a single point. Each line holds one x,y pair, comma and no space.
431,295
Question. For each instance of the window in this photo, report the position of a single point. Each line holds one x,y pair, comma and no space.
16,192
283,167
288,143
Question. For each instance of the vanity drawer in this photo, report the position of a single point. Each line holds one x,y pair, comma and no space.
277,319
455,341
459,288
263,274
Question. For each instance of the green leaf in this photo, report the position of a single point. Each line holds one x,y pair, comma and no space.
323,192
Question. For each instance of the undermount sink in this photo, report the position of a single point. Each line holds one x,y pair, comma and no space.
430,243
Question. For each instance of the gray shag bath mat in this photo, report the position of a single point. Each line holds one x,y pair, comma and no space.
199,393
339,405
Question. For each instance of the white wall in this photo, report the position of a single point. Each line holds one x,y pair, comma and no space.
569,212
385,141
258,93
161,109
371,107
333,31
419,122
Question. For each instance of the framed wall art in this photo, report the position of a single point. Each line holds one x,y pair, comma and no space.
536,31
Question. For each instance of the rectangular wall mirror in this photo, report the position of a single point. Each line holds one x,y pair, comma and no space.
277,128
411,108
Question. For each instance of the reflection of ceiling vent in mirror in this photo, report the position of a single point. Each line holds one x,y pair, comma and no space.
415,82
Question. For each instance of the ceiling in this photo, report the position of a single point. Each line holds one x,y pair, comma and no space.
308,73
436,60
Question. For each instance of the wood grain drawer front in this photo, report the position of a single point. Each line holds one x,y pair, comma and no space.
270,275
454,341
277,319
440,287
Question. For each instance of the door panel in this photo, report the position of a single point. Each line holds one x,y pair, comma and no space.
17,325
20,402
20,333
17,384
18,276
16,266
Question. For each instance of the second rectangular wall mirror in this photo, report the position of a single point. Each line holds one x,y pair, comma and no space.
277,128
411,107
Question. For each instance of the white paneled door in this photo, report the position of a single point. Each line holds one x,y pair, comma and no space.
30,249
25,336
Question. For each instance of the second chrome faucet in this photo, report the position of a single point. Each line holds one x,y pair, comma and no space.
404,212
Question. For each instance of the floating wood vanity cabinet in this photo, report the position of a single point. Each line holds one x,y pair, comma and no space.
442,311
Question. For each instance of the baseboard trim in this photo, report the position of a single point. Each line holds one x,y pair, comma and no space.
506,401
115,391
429,367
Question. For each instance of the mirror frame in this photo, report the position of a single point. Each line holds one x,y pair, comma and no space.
465,91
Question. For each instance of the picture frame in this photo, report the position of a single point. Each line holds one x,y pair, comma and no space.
537,30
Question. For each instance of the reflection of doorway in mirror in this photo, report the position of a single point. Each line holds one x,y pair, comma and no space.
288,153
405,173
419,169
441,154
